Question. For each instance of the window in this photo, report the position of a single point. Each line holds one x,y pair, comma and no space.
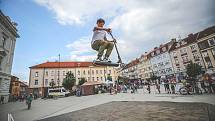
109,71
213,51
97,78
16,84
97,72
185,58
88,72
209,64
205,54
3,41
174,54
88,78
84,72
183,50
193,47
52,73
1,60
211,42
93,72
93,79
195,56
47,73
64,73
157,51
176,61
164,49
36,74
100,71
101,79
46,82
36,82
152,54
78,72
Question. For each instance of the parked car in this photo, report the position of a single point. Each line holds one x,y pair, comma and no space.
52,92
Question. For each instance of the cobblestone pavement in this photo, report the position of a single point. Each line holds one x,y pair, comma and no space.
48,108
141,111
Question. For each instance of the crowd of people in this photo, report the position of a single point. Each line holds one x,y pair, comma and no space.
205,84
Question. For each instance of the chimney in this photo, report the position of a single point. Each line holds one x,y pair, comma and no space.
173,40
190,35
155,48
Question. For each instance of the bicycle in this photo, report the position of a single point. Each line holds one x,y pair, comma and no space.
190,89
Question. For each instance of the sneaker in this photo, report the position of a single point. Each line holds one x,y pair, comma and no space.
107,60
99,59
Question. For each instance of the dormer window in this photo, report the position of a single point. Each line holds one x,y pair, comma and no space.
158,51
164,49
211,42
152,54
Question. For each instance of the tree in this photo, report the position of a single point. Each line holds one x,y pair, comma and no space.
82,81
109,77
69,81
153,77
52,83
193,70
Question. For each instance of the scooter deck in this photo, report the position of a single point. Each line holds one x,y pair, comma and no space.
101,63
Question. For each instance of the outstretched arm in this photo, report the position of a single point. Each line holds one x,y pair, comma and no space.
99,28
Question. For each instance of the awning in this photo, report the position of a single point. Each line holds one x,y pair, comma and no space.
92,83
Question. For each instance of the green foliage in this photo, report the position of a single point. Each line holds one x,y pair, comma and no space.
52,84
193,70
109,77
154,77
69,81
82,81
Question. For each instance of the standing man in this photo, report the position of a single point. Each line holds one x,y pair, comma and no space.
29,100
2,99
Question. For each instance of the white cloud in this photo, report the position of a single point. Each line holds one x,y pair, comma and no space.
141,24
81,50
79,11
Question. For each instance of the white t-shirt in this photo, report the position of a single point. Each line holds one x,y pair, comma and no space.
98,35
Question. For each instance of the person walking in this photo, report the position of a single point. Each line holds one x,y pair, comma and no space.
2,99
157,84
29,100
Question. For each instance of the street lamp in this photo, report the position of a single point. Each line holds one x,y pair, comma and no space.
90,73
58,80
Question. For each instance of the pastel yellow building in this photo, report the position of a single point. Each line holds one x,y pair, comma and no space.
41,75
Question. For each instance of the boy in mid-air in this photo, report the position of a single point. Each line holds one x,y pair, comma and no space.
100,42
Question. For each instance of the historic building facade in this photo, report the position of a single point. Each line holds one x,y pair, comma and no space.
206,44
8,35
145,70
41,75
17,87
132,69
160,60
183,52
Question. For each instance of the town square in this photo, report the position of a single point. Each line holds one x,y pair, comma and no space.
106,60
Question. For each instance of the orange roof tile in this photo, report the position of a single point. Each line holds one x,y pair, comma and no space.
62,65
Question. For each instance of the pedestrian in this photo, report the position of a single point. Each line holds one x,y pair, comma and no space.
157,84
29,100
167,86
173,82
148,87
202,82
2,99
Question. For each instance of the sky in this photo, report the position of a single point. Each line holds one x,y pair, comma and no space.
48,28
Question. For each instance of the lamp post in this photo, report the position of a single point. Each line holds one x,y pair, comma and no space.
58,79
90,73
